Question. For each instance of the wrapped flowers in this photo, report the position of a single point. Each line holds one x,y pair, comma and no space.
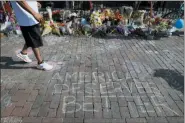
95,19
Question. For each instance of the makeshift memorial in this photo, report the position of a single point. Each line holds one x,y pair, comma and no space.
122,21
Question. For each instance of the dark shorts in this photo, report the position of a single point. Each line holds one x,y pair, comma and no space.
32,36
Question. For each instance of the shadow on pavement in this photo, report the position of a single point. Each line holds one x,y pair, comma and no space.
173,78
9,63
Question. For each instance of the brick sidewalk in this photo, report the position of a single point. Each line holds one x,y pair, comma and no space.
111,80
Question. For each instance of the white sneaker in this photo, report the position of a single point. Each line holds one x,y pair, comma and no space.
45,66
24,57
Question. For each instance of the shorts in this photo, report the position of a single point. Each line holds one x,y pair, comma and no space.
32,36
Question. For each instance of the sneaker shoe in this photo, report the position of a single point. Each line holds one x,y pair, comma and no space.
45,66
24,57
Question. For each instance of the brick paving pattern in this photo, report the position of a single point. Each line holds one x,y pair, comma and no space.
95,80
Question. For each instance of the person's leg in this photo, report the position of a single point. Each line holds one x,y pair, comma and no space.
33,39
24,55
37,55
24,49
41,64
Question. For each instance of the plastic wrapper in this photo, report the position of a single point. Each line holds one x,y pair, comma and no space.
66,14
119,29
49,13
45,24
138,16
62,30
5,25
123,30
72,15
87,29
131,29
18,32
10,28
95,19
68,27
104,28
12,19
101,31
46,30
55,30
126,11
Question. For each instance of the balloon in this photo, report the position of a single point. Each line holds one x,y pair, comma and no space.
179,24
83,21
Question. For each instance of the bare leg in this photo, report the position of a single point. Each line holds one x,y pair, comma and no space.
37,55
24,50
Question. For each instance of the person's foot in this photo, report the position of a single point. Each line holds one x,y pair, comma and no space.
25,58
44,66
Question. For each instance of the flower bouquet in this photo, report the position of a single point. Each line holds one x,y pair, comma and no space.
48,9
126,12
138,17
46,28
55,29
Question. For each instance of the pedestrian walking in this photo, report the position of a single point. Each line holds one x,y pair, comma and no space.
29,18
